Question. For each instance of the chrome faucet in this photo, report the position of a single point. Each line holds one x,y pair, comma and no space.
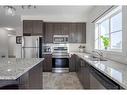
100,53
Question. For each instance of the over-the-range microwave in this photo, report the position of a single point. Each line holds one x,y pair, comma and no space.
60,39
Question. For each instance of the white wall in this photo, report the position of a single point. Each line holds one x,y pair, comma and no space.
3,43
57,18
120,57
18,50
11,45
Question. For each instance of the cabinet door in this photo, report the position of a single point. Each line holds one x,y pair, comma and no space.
85,75
49,29
83,33
80,73
57,29
37,28
27,27
47,64
72,63
77,33
72,33
65,28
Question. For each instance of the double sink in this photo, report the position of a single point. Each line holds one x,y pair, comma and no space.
97,59
94,58
100,58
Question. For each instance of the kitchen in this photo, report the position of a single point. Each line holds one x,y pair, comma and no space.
64,45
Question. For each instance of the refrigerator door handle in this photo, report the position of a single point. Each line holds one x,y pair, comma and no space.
23,53
37,48
23,42
22,46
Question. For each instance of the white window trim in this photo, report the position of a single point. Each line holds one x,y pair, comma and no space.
122,51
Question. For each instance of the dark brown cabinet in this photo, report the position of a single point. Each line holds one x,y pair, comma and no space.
32,28
83,74
72,63
47,64
76,31
57,29
48,32
90,77
27,27
31,79
82,70
37,27
61,28
65,28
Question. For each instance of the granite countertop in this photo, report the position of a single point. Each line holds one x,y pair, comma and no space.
114,70
13,68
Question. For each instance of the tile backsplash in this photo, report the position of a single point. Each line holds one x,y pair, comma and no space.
72,47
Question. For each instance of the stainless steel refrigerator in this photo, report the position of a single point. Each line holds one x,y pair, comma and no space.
32,47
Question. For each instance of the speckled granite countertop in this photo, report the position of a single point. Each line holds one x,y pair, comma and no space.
13,68
114,70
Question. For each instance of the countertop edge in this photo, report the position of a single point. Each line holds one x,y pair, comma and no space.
20,74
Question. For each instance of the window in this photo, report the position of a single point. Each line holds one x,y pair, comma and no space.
111,27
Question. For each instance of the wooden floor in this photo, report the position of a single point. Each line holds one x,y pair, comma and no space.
61,81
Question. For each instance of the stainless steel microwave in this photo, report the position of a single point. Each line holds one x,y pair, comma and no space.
60,39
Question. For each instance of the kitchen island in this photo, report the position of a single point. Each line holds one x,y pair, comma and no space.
21,73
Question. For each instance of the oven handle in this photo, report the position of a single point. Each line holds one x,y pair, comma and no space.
60,56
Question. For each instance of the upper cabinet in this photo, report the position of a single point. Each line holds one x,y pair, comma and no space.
48,32
32,28
61,28
37,27
76,31
27,27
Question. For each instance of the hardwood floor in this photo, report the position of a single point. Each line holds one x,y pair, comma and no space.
61,81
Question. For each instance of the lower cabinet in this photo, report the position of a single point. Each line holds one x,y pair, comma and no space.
83,73
47,64
91,78
72,63
31,79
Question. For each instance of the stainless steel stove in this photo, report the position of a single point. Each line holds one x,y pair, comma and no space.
60,59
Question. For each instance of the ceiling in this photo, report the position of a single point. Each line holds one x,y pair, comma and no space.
47,13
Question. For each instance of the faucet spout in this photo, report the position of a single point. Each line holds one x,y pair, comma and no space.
100,53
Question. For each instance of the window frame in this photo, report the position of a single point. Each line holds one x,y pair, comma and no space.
98,24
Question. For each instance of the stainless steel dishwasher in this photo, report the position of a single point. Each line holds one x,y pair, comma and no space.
100,81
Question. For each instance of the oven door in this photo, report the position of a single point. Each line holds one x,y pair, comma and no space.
60,62
60,65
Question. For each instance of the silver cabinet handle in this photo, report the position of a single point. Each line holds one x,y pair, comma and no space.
81,63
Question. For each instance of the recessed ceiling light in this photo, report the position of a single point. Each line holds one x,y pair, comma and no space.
8,28
9,70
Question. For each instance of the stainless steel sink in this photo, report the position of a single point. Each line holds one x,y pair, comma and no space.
97,59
